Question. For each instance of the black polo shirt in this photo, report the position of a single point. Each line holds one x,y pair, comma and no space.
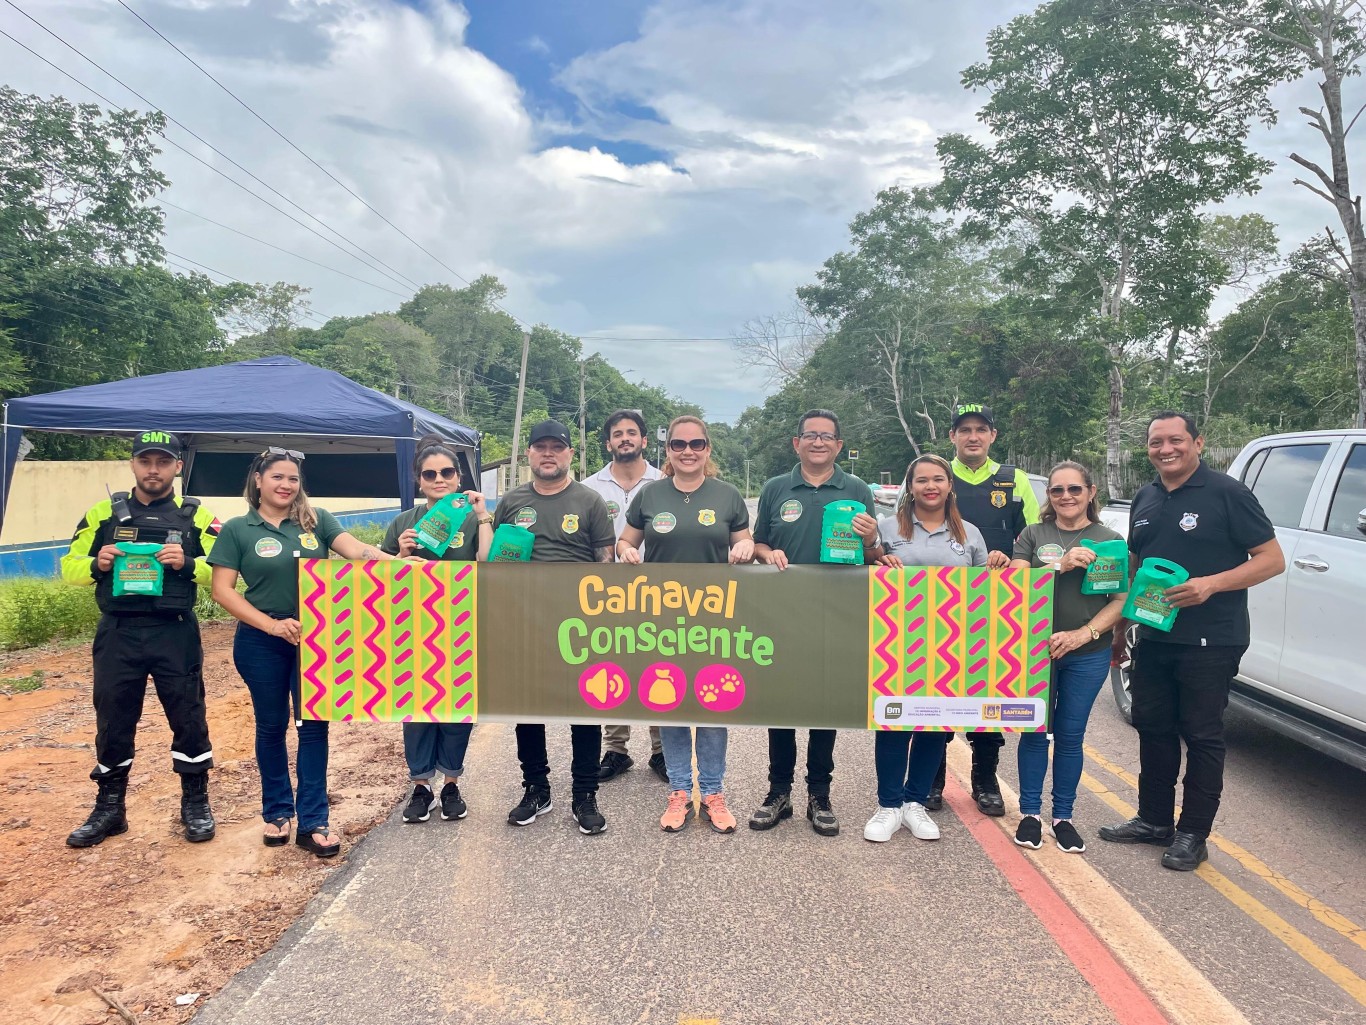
1206,526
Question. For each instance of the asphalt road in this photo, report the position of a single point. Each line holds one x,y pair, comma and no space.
478,921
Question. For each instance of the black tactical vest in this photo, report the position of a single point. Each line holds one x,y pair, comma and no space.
993,508
155,524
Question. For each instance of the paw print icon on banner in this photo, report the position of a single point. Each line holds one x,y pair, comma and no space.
719,688
662,687
604,686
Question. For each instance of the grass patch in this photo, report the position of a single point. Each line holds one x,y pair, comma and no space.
35,611
371,534
23,684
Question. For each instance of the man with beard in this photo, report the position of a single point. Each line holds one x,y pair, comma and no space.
571,524
627,470
145,634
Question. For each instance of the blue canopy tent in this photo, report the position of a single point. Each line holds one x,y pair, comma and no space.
359,442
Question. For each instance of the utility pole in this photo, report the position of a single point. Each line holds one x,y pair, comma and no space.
517,416
583,422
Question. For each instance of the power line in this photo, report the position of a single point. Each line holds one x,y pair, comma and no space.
396,276
282,249
290,142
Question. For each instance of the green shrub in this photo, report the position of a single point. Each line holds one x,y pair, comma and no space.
368,533
35,611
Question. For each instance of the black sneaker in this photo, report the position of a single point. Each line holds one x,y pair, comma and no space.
419,805
1068,838
452,804
1029,833
658,767
821,815
1186,853
535,803
586,814
614,763
1136,830
776,807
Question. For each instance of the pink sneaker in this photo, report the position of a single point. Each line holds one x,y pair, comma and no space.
678,812
715,811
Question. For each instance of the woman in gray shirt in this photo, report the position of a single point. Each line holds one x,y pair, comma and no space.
926,531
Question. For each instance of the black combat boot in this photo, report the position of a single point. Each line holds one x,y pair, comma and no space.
194,807
985,790
106,819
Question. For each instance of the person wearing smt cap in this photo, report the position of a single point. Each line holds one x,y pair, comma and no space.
141,635
996,499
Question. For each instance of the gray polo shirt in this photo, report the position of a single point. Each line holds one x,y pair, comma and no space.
933,549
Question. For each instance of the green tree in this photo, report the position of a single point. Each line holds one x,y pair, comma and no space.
1110,128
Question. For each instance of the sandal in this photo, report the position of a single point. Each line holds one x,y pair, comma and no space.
304,838
276,839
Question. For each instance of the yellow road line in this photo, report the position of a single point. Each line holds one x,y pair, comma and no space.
1183,993
1340,924
1318,958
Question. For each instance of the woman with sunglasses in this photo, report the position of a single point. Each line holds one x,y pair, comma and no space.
1079,646
927,530
690,515
281,525
432,747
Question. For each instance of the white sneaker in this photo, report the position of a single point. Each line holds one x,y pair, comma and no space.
918,821
883,825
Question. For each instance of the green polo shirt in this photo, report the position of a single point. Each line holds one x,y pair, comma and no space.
789,517
688,528
266,557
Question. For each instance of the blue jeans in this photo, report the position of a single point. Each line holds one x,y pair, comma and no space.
432,747
902,780
711,757
1077,680
270,668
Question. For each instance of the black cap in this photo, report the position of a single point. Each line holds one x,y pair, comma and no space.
968,409
550,430
157,441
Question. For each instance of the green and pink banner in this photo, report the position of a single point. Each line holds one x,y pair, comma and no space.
812,646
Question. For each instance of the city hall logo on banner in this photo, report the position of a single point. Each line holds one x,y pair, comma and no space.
1017,713
664,522
706,517
998,499
991,713
791,511
570,523
1188,521
525,517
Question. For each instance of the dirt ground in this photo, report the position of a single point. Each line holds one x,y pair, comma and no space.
146,918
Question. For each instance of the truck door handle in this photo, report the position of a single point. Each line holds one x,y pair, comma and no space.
1317,565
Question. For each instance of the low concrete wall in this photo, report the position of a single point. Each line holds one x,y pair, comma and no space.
48,499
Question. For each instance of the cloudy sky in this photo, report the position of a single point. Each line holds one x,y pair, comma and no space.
648,176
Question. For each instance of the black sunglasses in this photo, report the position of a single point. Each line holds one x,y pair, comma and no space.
297,456
447,473
1057,490
696,444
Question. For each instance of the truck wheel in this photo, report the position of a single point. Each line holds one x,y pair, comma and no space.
1119,676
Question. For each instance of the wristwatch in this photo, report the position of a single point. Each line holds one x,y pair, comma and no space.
486,518
1095,635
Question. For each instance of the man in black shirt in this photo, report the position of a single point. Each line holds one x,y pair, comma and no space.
1214,528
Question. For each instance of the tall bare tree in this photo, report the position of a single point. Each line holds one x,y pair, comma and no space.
779,345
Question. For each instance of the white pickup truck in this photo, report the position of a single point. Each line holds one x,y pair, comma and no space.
1304,672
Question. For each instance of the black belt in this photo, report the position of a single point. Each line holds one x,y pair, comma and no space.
132,619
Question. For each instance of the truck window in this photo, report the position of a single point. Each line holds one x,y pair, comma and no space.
1284,481
1349,498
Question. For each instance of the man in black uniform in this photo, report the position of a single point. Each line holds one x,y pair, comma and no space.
1214,528
141,635
998,501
